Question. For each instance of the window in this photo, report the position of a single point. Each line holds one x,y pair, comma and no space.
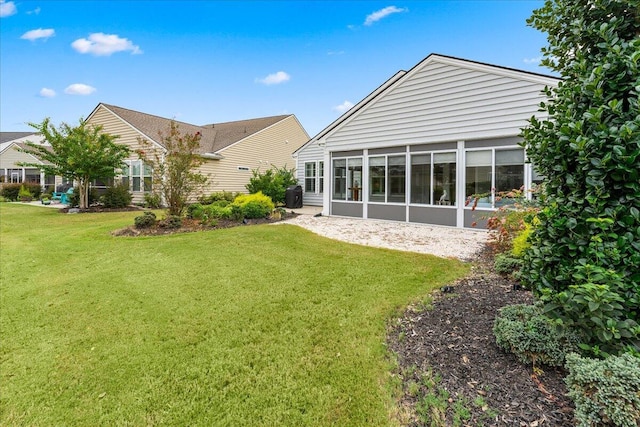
387,176
310,177
137,176
320,177
491,171
433,178
347,179
377,179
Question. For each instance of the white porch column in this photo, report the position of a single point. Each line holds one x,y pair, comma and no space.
328,183
460,188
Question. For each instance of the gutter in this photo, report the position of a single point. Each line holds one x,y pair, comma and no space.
212,156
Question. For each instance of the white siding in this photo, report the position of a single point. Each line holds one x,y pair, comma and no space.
440,102
11,156
311,153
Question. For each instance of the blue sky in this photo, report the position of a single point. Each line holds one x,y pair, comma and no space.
213,61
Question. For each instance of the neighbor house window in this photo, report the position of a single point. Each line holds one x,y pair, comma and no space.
310,176
387,176
347,179
137,176
433,178
493,171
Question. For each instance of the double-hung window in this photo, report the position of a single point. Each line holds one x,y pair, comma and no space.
314,177
137,176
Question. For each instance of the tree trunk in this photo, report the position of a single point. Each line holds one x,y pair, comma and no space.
84,193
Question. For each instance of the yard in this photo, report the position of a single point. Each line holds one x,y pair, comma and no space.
253,325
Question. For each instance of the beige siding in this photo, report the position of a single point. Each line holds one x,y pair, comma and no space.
127,135
273,145
11,156
444,102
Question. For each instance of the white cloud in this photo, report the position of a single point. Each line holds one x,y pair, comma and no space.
535,60
335,52
35,11
79,89
345,106
383,13
100,44
47,93
7,8
275,79
38,34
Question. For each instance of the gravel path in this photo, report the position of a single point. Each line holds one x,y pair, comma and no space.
446,242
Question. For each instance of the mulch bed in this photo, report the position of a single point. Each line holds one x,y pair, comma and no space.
454,339
193,225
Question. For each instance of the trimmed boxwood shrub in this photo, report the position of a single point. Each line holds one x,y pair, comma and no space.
605,392
524,331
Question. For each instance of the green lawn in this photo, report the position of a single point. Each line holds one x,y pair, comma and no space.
250,326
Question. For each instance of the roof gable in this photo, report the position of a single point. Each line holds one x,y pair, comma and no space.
214,137
434,94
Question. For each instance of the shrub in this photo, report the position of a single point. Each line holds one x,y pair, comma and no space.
117,196
10,191
195,211
217,197
152,201
255,205
146,220
510,220
524,331
218,212
507,265
34,188
605,392
236,212
24,194
520,243
171,221
272,183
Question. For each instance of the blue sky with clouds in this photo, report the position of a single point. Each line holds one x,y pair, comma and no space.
215,61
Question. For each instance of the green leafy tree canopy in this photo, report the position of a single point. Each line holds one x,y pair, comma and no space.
175,169
81,153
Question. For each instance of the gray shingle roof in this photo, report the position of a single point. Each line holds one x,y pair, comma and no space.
215,136
10,136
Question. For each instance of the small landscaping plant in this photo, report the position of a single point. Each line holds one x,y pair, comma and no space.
152,201
524,331
146,220
24,194
224,196
606,392
10,191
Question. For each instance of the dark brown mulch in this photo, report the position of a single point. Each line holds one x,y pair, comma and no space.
454,339
99,209
193,225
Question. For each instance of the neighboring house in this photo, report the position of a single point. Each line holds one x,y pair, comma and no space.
231,150
419,146
10,156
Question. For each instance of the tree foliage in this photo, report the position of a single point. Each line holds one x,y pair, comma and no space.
273,182
81,153
585,258
175,169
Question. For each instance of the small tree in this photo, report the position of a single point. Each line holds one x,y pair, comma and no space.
273,182
81,153
175,168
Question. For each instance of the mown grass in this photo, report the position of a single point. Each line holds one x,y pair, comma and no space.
260,325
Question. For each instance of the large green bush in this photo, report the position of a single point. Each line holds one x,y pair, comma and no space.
524,331
273,183
255,205
117,196
587,242
605,392
11,191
